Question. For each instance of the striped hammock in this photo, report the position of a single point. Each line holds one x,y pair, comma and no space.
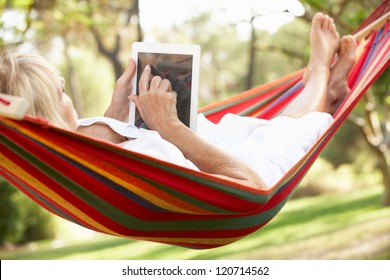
119,192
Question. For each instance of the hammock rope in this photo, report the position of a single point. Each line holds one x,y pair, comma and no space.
119,192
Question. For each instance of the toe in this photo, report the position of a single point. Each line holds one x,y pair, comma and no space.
333,28
317,20
343,45
351,42
326,22
347,45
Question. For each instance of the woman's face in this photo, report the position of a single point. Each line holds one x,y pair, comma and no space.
69,114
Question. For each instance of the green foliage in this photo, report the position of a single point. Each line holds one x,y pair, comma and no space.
21,219
342,149
381,88
11,222
17,4
14,21
348,14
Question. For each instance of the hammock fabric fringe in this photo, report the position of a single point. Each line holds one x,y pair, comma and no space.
107,189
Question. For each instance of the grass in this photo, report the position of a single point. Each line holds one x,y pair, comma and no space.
337,226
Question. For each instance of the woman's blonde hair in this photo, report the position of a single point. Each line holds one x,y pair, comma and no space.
32,77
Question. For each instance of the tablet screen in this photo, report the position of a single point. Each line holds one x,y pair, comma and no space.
177,68
177,63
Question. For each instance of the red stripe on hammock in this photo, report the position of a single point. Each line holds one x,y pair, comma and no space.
184,185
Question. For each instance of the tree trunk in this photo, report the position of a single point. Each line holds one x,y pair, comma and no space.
139,29
113,54
376,135
73,82
252,55
383,165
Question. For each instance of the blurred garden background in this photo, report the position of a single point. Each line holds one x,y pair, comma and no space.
341,209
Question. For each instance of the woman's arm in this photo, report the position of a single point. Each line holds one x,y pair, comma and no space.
157,105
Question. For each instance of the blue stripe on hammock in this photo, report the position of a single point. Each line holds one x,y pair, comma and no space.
377,44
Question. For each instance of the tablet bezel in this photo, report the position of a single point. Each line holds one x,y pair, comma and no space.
164,48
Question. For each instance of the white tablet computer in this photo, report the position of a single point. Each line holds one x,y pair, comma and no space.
179,63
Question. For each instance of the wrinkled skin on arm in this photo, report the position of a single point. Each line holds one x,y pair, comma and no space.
156,103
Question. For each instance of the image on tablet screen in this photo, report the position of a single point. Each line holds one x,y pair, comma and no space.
177,68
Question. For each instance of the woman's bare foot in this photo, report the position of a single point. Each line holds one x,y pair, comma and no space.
324,42
338,87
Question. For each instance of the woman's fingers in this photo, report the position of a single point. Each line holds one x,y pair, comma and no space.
165,86
155,84
144,81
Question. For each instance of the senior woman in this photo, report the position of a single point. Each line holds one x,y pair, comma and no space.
248,151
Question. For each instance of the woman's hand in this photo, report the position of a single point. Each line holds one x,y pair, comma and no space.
119,107
156,101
